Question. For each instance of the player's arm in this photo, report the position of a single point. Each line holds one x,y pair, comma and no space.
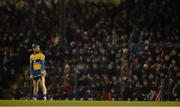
30,67
43,72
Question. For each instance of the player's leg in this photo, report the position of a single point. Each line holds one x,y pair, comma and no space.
43,87
35,89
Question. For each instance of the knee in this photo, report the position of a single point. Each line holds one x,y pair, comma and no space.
35,85
43,86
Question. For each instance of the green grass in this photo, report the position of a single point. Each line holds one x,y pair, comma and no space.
86,103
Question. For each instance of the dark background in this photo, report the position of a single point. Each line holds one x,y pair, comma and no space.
128,50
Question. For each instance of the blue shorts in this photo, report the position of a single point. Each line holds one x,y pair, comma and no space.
36,73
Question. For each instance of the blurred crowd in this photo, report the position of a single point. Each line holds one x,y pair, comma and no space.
126,51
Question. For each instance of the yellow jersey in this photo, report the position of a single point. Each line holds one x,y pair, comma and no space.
37,64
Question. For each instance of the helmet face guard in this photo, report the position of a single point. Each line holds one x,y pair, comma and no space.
35,46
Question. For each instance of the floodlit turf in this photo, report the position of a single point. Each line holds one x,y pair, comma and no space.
86,103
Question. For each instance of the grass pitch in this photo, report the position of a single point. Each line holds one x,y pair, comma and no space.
86,103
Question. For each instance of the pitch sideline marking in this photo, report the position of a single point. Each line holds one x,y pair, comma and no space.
89,106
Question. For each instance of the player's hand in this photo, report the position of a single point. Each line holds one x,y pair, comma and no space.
31,76
43,74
